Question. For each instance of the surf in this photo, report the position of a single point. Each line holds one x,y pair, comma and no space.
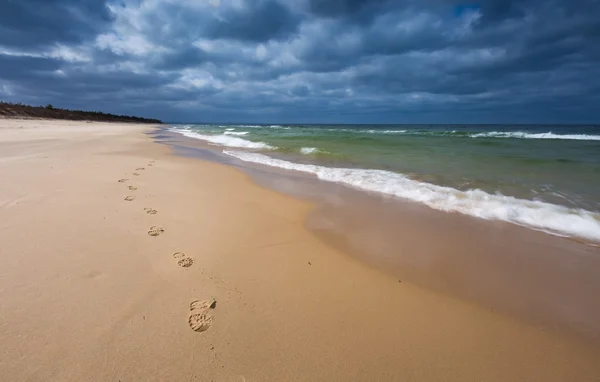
534,214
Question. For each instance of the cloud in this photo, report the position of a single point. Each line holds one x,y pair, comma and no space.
20,67
342,8
307,61
34,23
256,22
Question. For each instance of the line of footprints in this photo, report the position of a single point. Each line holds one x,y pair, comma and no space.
199,318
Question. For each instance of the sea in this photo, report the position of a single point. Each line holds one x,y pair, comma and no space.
544,177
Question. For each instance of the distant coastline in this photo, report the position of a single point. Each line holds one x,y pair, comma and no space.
12,110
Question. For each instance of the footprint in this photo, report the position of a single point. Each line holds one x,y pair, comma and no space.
150,211
132,188
200,322
122,180
152,161
184,261
136,174
200,319
178,255
149,164
203,305
155,231
139,169
130,198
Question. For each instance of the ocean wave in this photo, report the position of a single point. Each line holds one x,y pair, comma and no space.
225,140
229,132
266,126
491,134
534,214
375,131
305,130
313,150
262,126
523,135
371,131
308,150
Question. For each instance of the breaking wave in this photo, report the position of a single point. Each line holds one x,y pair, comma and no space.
523,135
229,132
534,214
225,140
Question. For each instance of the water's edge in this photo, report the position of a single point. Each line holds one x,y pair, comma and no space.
552,210
486,262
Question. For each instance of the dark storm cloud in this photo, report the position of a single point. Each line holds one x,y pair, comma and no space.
496,11
262,21
337,7
258,21
186,57
33,23
19,67
308,61
360,13
355,10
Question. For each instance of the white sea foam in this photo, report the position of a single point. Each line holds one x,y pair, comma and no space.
535,214
225,140
375,131
313,150
230,129
308,150
236,132
523,135
371,131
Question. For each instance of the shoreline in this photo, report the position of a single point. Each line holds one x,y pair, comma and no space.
548,194
544,279
87,294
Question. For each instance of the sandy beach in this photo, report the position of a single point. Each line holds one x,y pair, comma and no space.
120,261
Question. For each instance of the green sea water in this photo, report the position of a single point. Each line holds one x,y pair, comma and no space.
553,171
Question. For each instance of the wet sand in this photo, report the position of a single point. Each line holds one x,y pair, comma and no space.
191,271
547,280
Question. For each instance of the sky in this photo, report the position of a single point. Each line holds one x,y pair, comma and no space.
307,61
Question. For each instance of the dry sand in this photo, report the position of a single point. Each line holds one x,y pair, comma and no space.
102,280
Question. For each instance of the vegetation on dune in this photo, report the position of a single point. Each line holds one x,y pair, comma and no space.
18,110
